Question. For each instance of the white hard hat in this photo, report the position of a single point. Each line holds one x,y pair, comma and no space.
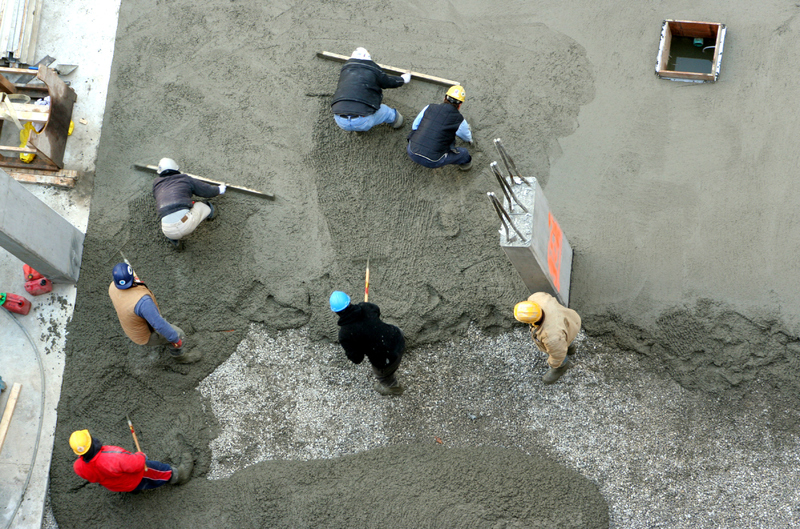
166,164
361,53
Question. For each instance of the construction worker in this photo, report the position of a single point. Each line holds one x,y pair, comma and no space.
431,142
173,191
357,102
553,329
141,318
362,333
121,471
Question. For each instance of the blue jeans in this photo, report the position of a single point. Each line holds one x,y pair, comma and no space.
458,158
385,114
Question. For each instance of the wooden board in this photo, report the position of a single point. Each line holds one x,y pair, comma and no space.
392,69
6,85
687,28
63,178
13,396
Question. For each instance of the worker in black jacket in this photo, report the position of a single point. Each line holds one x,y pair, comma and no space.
357,102
173,191
362,333
431,142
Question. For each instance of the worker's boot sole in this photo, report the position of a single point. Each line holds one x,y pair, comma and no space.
572,349
554,373
213,214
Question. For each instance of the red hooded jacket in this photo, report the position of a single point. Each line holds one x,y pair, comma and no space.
114,468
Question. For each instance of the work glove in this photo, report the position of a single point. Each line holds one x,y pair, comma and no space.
222,188
178,344
406,78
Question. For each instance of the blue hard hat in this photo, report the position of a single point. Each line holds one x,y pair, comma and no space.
339,301
123,276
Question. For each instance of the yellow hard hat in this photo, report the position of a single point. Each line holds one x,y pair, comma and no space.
457,92
80,441
527,312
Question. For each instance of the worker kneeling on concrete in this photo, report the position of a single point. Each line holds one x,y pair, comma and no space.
173,191
357,103
553,329
121,471
141,318
362,333
431,142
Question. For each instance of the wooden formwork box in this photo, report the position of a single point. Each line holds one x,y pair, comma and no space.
690,28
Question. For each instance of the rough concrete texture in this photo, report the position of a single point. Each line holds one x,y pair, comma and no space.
678,217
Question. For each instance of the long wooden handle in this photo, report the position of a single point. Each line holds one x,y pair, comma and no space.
421,76
154,168
135,439
10,405
366,284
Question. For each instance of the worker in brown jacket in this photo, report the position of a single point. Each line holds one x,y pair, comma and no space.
553,329
141,318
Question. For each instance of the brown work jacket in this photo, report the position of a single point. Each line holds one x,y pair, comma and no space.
136,327
559,327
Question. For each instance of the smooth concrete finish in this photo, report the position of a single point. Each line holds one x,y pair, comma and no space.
543,259
20,363
78,32
37,235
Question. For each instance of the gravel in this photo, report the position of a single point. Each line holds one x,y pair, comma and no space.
661,455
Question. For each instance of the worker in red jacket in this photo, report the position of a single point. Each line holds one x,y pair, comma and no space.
121,471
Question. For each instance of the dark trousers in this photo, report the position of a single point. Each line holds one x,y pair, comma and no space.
458,158
157,474
385,374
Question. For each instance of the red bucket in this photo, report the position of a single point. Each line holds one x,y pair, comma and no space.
15,303
37,287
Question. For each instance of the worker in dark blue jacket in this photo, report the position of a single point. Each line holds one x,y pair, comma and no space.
173,190
357,103
431,142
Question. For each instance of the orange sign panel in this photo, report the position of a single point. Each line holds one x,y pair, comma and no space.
554,251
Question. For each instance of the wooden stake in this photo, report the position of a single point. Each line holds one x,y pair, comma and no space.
133,433
391,69
10,405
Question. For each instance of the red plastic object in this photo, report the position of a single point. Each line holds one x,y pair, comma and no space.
37,287
17,304
30,273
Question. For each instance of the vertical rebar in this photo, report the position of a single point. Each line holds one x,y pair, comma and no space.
500,209
507,191
509,162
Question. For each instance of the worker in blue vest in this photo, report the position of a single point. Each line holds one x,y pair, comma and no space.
431,142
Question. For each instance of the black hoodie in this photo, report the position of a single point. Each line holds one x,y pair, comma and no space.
362,333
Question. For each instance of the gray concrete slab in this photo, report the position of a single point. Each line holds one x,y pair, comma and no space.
20,364
36,234
78,32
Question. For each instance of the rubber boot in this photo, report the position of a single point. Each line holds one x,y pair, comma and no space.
572,349
186,357
183,473
176,243
213,214
398,120
554,373
387,391
465,166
